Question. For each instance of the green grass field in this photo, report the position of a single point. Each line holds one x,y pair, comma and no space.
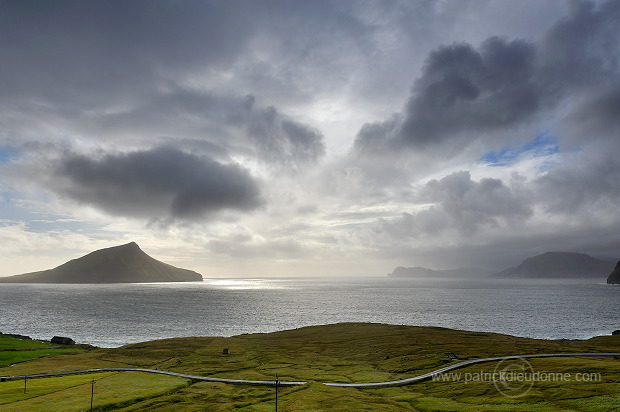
347,353
20,350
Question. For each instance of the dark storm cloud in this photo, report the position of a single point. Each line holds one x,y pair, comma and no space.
582,50
589,185
159,183
276,138
84,52
87,53
87,58
132,72
465,93
598,118
463,90
222,125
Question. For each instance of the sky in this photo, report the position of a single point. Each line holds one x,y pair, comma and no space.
309,138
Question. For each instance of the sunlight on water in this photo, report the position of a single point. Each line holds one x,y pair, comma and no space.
244,284
110,315
220,284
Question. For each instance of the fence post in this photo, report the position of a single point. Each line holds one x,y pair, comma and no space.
92,393
277,384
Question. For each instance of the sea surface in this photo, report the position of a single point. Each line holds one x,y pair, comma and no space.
117,314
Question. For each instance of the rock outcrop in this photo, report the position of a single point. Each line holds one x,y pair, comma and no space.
614,277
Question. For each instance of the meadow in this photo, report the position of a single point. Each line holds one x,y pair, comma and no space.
345,353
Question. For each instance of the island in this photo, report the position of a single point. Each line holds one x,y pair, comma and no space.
422,272
119,264
614,277
559,265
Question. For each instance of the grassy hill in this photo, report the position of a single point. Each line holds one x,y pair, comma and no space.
346,353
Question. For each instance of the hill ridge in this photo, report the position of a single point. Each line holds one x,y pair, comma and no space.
559,265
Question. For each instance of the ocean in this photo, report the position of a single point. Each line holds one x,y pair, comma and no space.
113,315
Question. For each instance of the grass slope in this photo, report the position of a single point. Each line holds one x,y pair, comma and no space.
347,352
20,350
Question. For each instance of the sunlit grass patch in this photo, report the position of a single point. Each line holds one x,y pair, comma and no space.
73,393
8,343
12,357
18,392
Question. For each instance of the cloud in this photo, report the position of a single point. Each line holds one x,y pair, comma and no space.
598,118
463,91
587,187
73,45
277,139
461,206
158,183
222,126
582,50
137,74
465,94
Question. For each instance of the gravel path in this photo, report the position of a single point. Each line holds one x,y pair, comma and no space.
400,382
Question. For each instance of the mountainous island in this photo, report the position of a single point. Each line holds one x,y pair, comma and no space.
614,278
119,264
547,265
559,265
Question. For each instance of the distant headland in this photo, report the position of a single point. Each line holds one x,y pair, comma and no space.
550,265
559,265
614,277
119,264
422,272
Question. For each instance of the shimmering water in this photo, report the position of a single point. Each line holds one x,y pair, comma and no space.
114,315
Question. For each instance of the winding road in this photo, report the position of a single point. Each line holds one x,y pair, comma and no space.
400,382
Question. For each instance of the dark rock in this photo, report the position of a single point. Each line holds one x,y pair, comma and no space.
614,277
60,340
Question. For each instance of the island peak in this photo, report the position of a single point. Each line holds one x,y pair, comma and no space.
117,264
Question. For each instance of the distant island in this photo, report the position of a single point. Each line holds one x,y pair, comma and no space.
422,272
119,264
559,265
550,265
614,278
